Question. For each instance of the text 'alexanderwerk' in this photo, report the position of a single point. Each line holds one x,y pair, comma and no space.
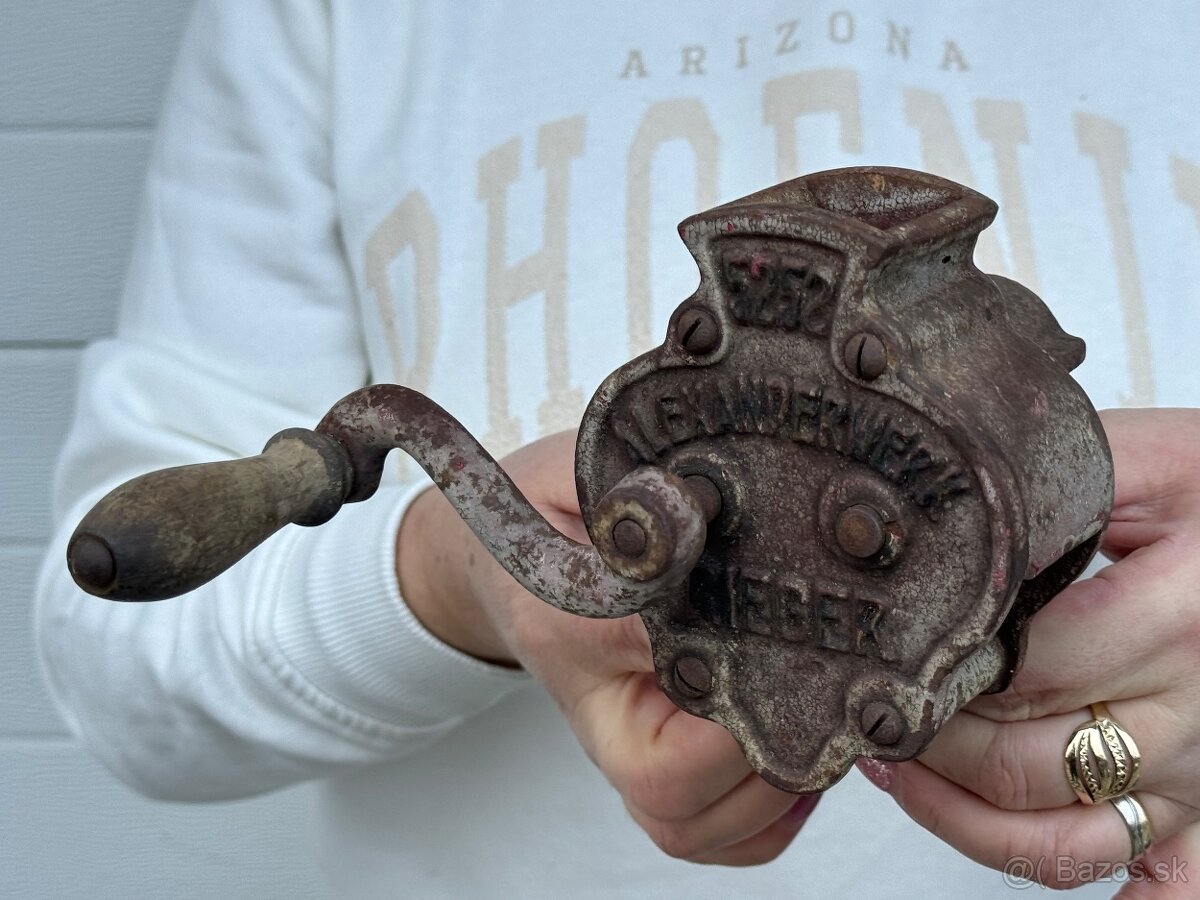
795,410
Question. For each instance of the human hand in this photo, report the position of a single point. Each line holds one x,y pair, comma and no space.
684,780
992,783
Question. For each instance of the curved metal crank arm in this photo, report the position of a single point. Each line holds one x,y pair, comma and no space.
168,532
578,578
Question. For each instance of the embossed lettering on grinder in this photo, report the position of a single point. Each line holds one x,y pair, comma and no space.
907,469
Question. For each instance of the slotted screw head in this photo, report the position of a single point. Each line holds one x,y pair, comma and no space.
866,356
697,331
882,723
692,676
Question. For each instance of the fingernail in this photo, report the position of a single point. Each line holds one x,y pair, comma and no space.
802,808
879,773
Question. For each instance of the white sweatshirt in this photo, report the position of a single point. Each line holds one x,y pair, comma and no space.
478,200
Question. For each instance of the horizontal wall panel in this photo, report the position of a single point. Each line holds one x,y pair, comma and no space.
93,62
69,208
37,398
70,830
25,707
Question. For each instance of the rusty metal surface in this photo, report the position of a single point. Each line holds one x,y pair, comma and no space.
837,493
577,578
907,470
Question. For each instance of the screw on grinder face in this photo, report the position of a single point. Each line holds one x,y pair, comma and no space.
836,493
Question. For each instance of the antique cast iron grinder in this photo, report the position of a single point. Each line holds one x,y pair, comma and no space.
836,494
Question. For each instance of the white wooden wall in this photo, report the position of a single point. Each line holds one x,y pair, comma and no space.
80,85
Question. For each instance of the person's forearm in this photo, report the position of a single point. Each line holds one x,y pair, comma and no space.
437,565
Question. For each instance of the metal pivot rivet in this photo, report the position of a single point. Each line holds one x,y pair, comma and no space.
881,722
860,531
866,356
697,331
629,538
692,677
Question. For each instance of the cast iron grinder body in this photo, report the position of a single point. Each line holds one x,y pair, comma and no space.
907,470
836,493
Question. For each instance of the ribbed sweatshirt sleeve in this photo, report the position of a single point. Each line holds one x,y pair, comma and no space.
238,320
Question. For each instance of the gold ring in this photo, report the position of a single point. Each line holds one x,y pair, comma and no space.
1133,814
1102,760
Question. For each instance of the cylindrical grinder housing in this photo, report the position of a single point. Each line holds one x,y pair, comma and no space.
907,469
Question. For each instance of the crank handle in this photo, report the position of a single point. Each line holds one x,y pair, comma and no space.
170,531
